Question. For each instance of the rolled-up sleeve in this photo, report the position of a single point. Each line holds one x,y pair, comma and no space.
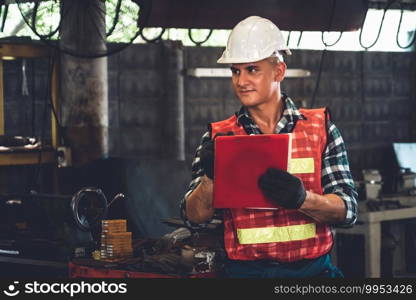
336,175
197,173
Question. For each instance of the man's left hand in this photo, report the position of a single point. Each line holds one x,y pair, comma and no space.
283,188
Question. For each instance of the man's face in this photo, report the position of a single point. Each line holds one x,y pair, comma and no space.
257,83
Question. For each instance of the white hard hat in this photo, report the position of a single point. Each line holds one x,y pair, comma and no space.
253,39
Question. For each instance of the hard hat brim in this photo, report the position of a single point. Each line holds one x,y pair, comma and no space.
240,60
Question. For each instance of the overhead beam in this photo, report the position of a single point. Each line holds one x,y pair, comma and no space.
296,15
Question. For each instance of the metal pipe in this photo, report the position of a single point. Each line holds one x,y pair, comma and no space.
84,83
180,106
174,107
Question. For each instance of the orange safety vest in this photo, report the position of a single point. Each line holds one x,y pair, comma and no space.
283,235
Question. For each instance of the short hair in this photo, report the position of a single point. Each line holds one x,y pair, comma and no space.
275,58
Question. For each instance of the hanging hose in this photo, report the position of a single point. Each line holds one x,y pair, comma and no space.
201,42
300,38
33,27
288,38
158,37
116,17
391,2
87,214
3,23
318,79
398,31
142,20
334,43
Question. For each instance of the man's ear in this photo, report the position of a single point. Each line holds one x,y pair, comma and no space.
280,71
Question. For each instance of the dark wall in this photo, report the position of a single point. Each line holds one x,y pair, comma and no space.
26,97
142,124
371,96
27,112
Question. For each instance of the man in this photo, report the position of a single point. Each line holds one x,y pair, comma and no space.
310,203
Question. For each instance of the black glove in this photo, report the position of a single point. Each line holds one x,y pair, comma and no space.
283,188
206,154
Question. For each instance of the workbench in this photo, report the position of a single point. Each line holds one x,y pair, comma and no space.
369,225
89,268
18,267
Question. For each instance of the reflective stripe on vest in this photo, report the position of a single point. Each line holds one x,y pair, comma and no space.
301,165
276,234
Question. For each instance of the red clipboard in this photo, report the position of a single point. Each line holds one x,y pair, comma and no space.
240,160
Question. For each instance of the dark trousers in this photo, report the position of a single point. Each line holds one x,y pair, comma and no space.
319,267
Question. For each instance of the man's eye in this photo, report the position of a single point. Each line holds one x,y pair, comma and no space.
235,71
252,69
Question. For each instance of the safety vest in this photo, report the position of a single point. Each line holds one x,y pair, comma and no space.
283,235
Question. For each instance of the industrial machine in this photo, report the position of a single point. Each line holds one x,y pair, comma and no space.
51,227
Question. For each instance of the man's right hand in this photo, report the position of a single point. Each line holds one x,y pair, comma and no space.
206,154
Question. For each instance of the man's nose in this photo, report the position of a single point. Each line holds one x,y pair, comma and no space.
242,79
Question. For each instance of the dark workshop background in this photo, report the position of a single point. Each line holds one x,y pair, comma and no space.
133,118
371,114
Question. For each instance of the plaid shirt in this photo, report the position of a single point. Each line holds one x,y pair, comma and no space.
336,176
